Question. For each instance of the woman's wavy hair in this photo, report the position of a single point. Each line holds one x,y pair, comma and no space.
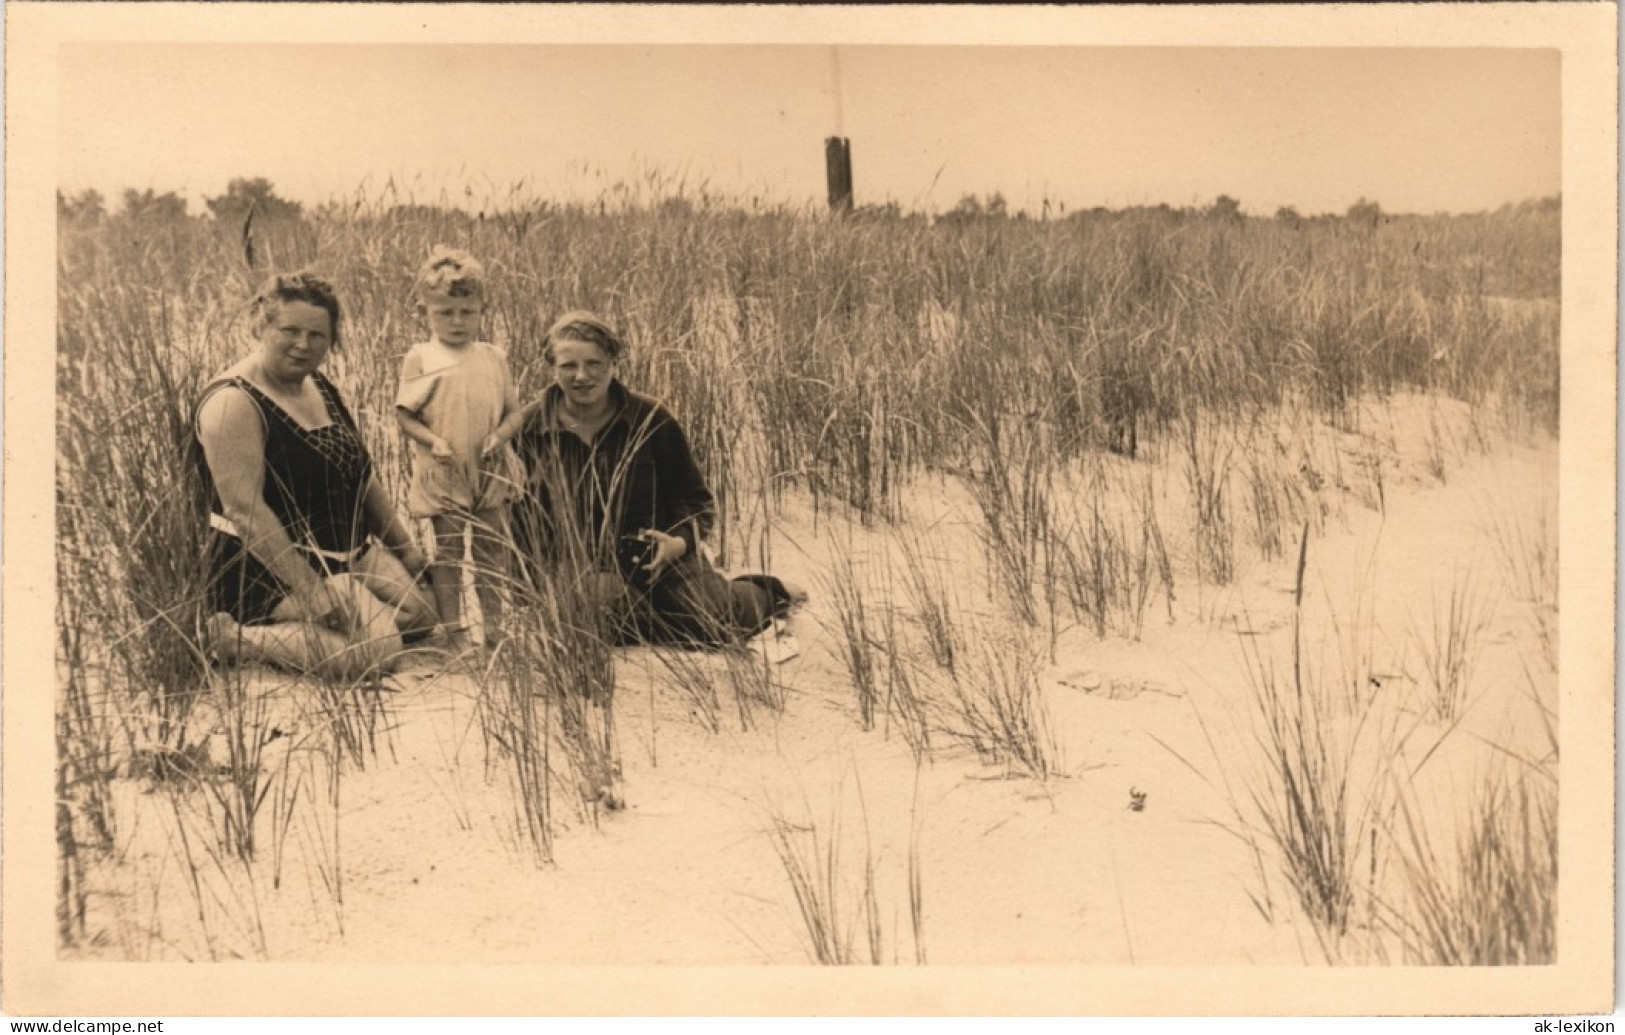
299,286
580,325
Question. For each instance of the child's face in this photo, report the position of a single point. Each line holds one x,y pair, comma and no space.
455,321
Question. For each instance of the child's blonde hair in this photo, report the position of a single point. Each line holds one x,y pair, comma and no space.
450,271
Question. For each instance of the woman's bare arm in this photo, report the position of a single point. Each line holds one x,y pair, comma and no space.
384,521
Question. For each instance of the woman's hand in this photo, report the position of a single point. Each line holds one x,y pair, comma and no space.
412,559
668,548
385,523
440,449
322,604
492,443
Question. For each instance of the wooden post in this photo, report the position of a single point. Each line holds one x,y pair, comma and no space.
838,166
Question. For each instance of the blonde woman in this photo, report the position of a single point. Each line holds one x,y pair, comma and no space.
615,498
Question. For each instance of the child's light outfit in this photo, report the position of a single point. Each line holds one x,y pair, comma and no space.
458,394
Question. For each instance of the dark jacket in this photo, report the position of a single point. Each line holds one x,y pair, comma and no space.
637,474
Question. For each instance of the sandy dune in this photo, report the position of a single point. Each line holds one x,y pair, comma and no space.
434,866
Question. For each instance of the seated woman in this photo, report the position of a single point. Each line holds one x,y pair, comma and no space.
294,506
615,502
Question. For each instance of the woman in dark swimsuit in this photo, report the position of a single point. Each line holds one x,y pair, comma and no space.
296,578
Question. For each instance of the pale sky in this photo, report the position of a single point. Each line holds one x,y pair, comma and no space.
1416,129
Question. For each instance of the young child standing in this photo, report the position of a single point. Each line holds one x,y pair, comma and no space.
458,404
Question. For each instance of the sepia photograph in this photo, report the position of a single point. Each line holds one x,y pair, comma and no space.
1086,510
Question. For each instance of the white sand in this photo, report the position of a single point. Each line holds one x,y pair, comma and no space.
1013,869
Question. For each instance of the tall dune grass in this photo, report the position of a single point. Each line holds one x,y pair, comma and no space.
1320,798
842,921
1489,898
842,358
1451,640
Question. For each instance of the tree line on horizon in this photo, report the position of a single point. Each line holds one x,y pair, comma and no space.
257,196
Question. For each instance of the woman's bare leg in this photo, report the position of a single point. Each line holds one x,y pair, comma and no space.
289,641
299,646
386,579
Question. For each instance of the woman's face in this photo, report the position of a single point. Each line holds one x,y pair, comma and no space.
295,339
583,370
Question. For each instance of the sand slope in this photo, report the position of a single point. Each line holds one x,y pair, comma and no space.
1012,869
